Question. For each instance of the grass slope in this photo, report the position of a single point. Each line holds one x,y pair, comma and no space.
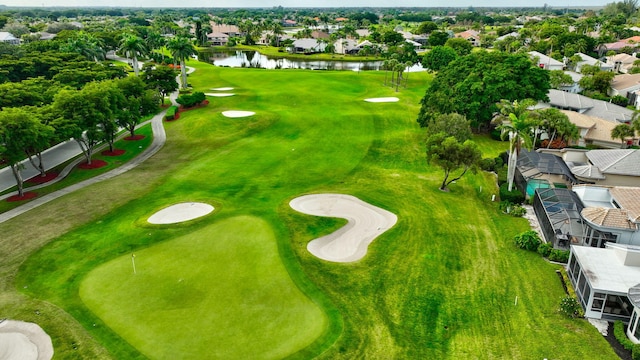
440,284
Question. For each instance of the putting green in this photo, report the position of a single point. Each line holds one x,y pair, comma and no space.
219,292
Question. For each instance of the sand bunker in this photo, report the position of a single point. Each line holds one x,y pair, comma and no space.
222,89
382,99
365,223
219,94
24,341
180,212
237,114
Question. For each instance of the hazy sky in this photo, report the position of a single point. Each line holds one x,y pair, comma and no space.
306,3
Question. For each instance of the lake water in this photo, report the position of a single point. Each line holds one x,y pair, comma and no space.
256,60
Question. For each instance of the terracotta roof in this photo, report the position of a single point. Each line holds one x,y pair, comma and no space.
469,33
611,218
628,198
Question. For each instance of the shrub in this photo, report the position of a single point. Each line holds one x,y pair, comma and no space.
499,162
544,249
191,100
514,196
502,175
495,135
570,307
561,256
621,335
528,240
512,209
488,164
171,113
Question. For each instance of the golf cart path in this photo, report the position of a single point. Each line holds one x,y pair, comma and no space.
349,243
159,138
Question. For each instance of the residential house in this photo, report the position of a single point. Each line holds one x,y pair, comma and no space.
218,39
617,46
593,130
621,62
363,32
620,167
626,85
307,45
47,36
536,169
603,278
346,46
588,60
319,34
289,23
585,105
8,38
471,35
229,30
545,62
574,86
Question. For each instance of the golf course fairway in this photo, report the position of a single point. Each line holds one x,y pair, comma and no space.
220,292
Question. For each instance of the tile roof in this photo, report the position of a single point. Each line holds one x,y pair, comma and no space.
580,120
544,59
625,81
628,198
597,108
6,36
616,161
611,218
587,172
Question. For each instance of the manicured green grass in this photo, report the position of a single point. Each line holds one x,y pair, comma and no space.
220,292
441,284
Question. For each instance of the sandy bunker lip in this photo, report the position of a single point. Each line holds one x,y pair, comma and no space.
180,212
222,89
219,94
24,341
365,223
237,113
382,99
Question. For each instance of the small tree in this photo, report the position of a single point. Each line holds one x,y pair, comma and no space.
451,155
622,132
453,124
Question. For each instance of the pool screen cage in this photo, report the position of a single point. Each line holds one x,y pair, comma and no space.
532,164
558,212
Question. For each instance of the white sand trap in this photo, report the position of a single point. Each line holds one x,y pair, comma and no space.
222,89
382,99
237,114
24,341
219,94
180,212
365,223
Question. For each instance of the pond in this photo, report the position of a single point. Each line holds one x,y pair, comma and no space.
254,59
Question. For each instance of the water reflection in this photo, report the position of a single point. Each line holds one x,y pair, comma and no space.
254,59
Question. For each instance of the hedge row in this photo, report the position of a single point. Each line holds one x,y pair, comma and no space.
621,336
171,113
191,100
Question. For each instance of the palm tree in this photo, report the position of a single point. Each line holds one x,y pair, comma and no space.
155,41
86,45
514,122
622,132
133,46
277,32
181,48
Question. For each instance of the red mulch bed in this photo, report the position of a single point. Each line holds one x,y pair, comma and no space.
26,196
42,179
202,104
95,164
134,137
115,152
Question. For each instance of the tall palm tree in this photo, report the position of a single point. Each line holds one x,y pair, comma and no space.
181,48
514,122
133,46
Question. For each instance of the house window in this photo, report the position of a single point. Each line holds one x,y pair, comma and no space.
636,334
632,322
598,301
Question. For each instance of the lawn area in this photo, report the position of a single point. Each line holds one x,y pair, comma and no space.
440,284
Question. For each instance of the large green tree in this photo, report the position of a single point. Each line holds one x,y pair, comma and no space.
453,124
162,79
472,86
438,57
452,155
21,131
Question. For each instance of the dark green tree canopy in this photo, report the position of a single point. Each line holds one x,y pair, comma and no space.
452,124
438,57
452,155
472,85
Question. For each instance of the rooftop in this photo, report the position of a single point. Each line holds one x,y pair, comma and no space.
625,81
611,218
605,269
616,161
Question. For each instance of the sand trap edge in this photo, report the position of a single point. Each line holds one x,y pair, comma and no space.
222,89
219,94
382,99
180,212
237,113
365,222
34,333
